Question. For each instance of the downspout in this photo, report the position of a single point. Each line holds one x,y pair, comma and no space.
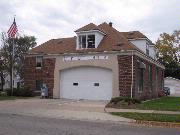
132,74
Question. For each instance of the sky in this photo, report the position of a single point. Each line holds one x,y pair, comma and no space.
51,19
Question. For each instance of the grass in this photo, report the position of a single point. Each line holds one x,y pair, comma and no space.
163,104
7,98
11,98
149,116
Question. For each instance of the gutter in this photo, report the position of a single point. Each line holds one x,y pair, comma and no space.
125,52
132,74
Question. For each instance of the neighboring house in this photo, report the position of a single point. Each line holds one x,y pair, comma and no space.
97,64
173,84
7,83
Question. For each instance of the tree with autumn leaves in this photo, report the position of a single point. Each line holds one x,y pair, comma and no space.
168,53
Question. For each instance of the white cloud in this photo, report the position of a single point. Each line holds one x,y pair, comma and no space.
59,18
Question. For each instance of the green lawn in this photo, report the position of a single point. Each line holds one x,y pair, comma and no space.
11,98
164,103
149,117
7,98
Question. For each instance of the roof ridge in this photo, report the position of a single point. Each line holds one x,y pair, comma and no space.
119,34
68,45
88,26
103,23
65,38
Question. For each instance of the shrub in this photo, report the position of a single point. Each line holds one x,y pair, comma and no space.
3,93
8,91
124,100
116,99
23,92
161,94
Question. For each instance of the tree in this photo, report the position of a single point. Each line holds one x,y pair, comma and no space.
168,53
3,72
21,45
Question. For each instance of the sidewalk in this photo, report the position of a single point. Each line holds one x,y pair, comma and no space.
140,111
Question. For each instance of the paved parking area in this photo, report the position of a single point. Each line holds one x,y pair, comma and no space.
60,108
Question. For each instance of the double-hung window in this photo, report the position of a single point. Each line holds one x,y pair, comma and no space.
39,60
91,41
39,84
147,49
140,79
86,41
141,69
82,41
150,78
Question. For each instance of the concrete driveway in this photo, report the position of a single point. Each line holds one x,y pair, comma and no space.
60,108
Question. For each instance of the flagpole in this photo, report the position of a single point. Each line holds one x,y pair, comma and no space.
12,68
11,35
12,65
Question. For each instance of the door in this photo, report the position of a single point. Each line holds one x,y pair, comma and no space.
86,83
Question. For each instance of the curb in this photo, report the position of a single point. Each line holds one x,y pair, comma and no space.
158,124
140,111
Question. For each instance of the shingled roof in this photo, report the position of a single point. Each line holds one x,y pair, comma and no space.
133,35
112,41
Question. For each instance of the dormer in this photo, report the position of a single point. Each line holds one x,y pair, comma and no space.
142,42
152,51
89,36
146,46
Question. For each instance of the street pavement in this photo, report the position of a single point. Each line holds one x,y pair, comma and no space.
12,124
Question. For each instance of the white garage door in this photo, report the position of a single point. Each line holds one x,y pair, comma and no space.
86,83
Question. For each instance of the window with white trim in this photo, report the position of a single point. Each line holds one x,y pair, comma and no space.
39,84
39,60
147,49
150,78
82,41
140,72
91,41
86,41
140,79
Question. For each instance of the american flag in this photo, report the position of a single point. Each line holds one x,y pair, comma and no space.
12,30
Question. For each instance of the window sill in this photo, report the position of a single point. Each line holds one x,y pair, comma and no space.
140,92
37,91
38,67
85,48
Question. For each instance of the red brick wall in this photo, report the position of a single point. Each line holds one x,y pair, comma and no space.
125,78
46,73
125,75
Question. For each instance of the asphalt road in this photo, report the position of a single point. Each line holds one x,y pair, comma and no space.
27,125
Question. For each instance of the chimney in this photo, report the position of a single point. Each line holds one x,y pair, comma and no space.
110,24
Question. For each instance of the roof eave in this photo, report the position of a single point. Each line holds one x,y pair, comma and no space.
145,38
85,31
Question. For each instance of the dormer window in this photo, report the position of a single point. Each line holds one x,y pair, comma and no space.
147,49
82,41
86,41
91,41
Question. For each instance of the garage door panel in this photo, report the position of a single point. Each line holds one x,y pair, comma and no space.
86,77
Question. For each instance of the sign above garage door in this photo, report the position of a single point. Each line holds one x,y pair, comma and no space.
87,57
